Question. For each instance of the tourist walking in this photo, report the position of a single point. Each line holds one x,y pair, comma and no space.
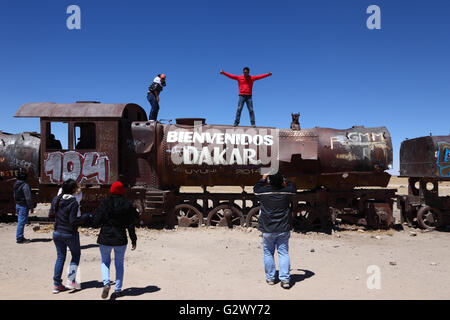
64,207
115,215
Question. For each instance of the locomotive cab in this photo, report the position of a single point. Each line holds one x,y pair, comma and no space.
82,141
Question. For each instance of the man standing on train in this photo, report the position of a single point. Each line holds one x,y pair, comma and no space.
245,83
153,95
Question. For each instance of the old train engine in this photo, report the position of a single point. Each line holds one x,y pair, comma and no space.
340,174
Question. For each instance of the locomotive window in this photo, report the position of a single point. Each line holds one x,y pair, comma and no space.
84,135
57,136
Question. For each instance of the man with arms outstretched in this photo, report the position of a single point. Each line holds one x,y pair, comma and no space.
245,83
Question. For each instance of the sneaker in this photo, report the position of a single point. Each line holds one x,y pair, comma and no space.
58,289
270,282
73,285
285,285
105,292
254,125
235,125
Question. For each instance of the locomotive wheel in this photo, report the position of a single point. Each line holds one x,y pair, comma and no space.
188,215
429,218
306,218
252,217
225,215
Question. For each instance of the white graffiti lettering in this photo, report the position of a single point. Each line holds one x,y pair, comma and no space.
73,165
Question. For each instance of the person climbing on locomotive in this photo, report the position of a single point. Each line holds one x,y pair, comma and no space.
24,205
115,215
153,93
275,196
245,83
67,220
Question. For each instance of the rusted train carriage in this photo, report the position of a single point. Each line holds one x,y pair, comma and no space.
425,161
339,172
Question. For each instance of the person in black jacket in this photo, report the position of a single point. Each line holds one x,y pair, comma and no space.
115,215
64,207
24,204
275,196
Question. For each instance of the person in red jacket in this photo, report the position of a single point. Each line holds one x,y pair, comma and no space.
245,83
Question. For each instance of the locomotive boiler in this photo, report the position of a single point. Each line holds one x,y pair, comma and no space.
339,172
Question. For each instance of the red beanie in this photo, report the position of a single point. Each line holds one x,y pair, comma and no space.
117,188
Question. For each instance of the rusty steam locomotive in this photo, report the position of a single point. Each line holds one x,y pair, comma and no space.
340,174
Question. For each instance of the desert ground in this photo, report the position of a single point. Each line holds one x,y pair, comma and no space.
227,264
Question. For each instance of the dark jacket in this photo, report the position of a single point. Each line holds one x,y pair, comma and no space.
275,213
114,215
155,87
22,194
66,220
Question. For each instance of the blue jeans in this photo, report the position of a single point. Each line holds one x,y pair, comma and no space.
62,241
155,106
249,101
280,241
22,219
119,255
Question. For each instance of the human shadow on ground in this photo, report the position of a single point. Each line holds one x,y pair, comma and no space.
294,278
133,292
300,277
41,240
91,284
88,246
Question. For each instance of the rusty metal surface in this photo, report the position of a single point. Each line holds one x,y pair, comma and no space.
19,152
336,159
79,110
427,157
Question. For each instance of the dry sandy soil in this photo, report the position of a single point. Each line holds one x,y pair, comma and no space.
217,263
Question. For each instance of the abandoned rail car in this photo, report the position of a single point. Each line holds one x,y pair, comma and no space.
425,161
339,172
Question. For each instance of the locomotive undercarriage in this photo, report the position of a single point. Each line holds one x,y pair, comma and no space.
423,207
318,210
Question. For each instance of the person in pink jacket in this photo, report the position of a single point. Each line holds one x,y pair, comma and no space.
245,83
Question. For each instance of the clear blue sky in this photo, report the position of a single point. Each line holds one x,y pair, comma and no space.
326,63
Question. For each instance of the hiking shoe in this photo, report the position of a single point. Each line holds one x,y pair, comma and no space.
105,292
270,282
285,285
58,289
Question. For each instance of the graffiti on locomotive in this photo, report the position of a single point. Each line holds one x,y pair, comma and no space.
231,147
443,158
74,165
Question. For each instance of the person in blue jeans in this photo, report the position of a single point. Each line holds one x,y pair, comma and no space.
275,195
115,215
24,204
64,209
153,92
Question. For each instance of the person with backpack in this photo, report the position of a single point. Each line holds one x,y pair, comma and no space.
64,207
115,215
153,95
275,196
24,205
